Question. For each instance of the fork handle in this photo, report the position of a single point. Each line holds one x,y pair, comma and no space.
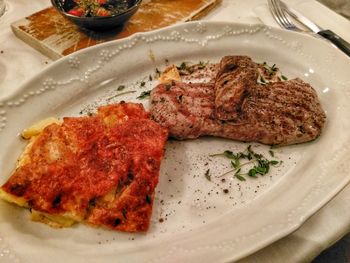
336,40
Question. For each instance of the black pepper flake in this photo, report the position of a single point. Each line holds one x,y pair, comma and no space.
208,175
117,221
148,199
225,191
92,203
161,220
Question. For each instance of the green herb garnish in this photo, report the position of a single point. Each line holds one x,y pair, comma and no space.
202,64
271,70
183,66
239,177
262,80
257,163
144,94
120,88
120,94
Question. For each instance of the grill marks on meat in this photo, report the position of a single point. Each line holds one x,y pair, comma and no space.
238,108
278,113
182,108
235,75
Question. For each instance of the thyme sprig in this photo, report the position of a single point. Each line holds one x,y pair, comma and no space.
120,94
261,80
270,69
183,66
144,94
258,164
120,87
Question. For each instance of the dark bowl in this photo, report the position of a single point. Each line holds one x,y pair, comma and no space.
96,22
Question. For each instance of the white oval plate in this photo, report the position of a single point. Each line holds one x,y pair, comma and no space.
193,220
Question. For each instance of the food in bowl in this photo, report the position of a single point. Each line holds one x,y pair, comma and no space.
97,14
90,8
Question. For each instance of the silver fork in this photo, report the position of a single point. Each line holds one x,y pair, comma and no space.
280,16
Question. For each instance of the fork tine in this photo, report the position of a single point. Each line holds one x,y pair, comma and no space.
280,13
280,16
274,13
286,21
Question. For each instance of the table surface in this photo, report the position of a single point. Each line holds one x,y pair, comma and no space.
19,62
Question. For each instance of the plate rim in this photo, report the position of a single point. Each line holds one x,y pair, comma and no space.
168,29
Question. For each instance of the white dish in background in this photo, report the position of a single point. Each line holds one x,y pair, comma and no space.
200,222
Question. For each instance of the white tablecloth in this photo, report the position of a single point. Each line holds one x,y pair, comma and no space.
19,62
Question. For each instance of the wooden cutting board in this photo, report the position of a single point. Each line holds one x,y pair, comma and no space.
55,36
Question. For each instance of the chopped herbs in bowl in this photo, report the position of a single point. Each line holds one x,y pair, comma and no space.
97,14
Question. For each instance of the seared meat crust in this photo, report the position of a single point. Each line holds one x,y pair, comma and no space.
183,108
235,75
235,106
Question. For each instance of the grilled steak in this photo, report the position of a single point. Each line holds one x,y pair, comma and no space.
235,75
278,112
183,108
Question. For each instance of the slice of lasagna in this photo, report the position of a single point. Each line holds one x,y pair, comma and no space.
100,169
